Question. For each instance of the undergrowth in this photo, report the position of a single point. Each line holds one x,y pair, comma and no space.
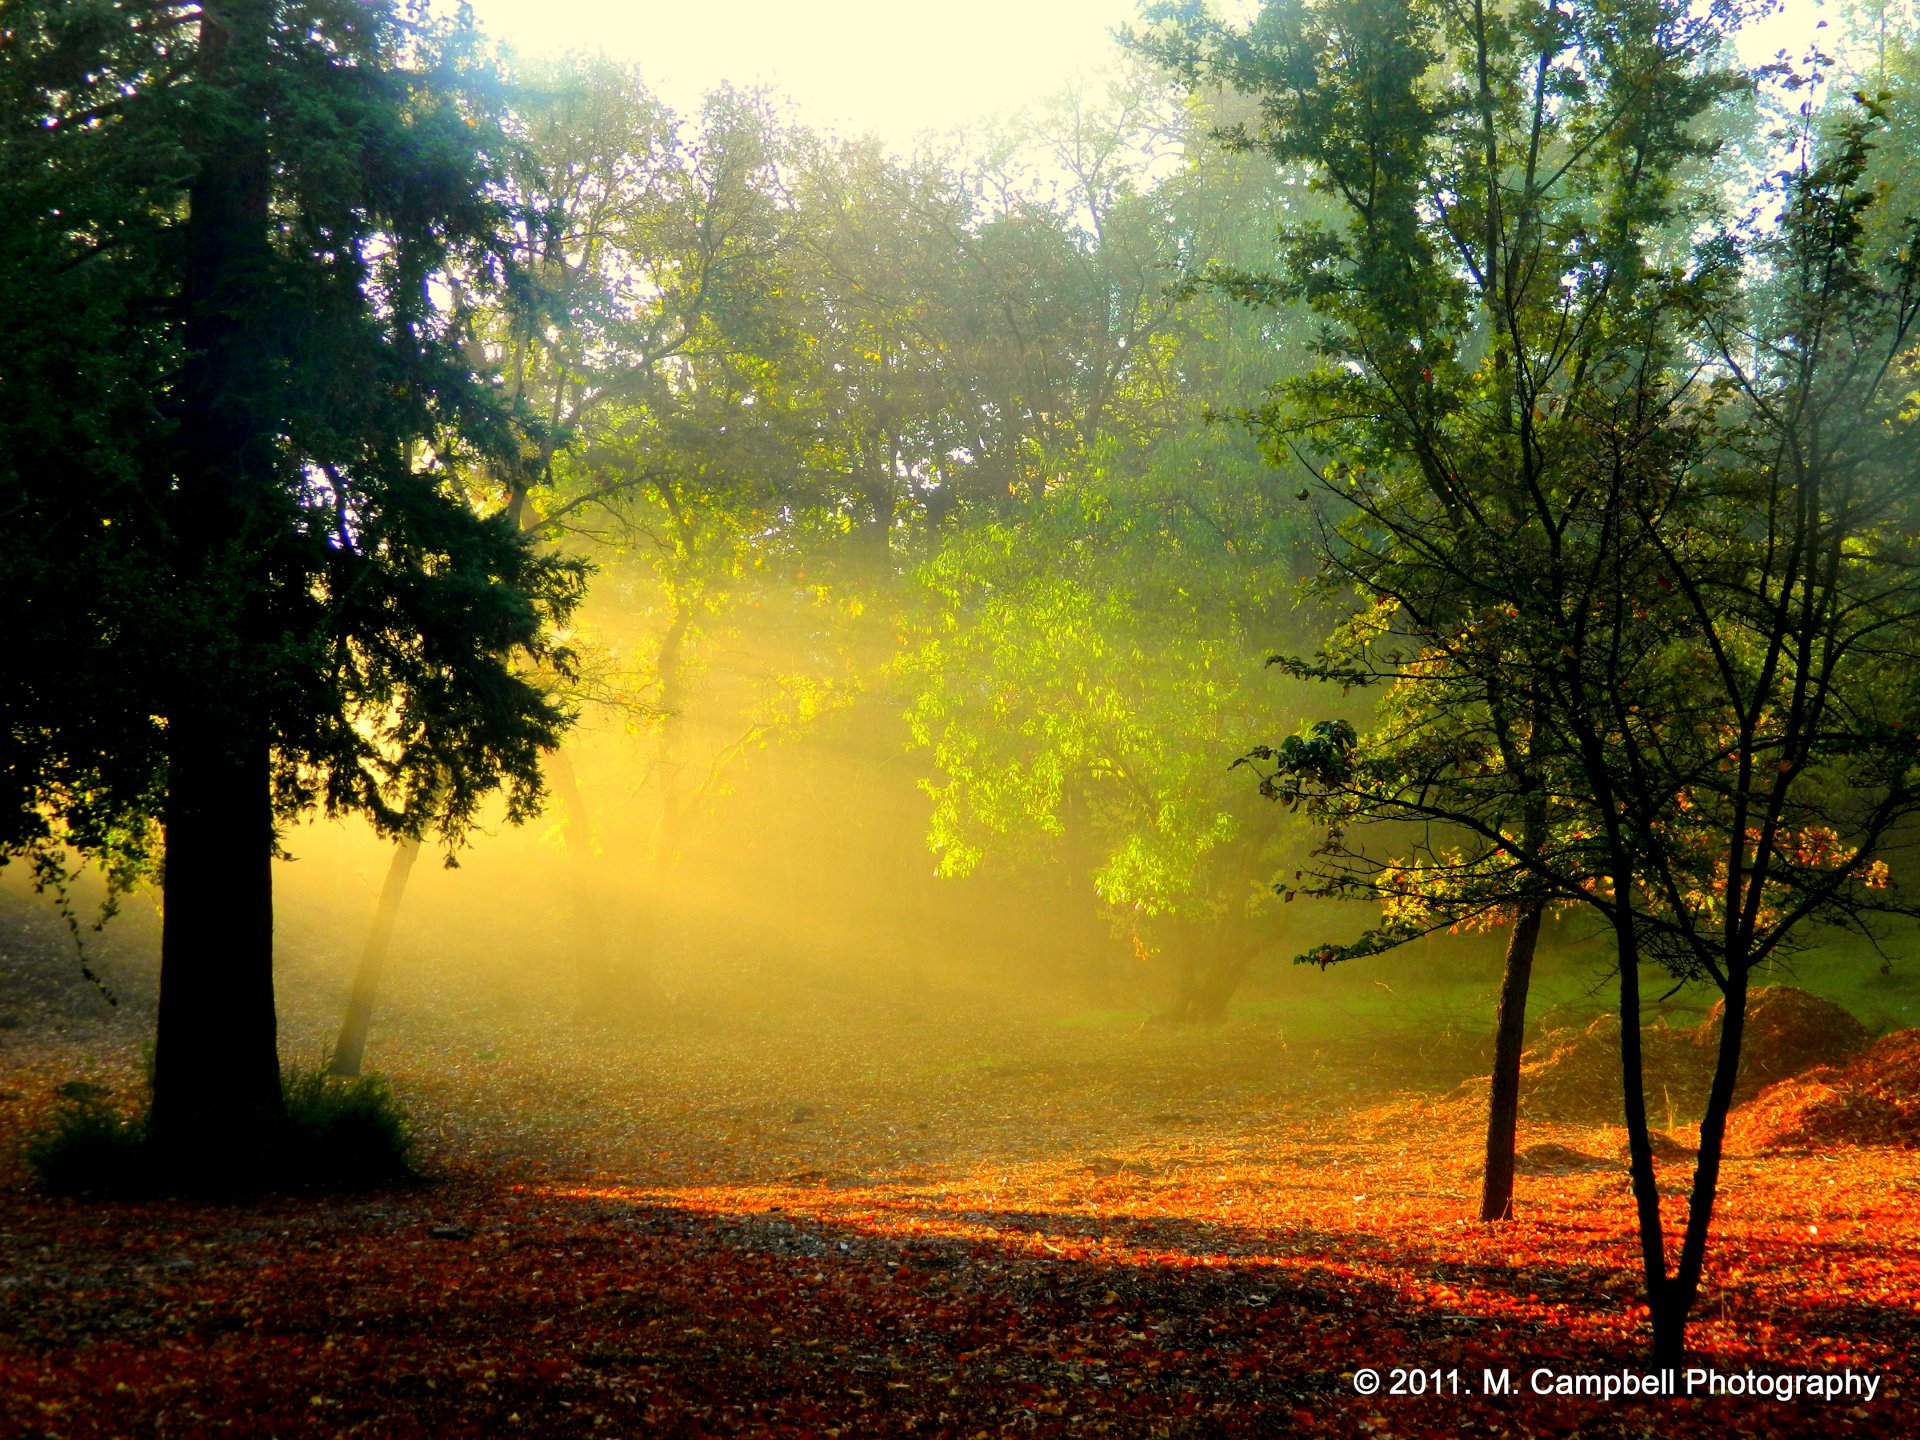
332,1134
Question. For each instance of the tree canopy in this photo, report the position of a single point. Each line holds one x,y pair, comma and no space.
253,447
1637,591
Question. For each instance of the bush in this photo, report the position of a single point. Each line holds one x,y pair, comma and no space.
90,1148
333,1134
343,1134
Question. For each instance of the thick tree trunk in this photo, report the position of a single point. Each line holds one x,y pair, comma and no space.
216,1077
1212,967
216,1087
350,1049
1217,956
1509,1039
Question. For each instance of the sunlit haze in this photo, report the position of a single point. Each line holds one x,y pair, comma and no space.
891,69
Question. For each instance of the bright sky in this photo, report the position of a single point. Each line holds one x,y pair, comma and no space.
894,68
890,67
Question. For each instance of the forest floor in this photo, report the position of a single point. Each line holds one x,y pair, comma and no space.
860,1217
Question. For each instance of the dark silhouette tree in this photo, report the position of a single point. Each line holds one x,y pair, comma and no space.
306,608
1505,183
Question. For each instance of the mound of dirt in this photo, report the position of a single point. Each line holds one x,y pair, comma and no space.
1875,1100
1557,1160
1788,1032
1574,1075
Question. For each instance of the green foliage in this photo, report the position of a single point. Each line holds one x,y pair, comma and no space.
1086,660
86,174
795,359
1628,512
333,1135
1097,634
89,1148
236,461
343,1134
1497,288
375,615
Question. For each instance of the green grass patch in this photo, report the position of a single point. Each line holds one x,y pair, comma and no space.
343,1134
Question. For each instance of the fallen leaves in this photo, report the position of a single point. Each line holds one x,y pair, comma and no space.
862,1224
1211,1284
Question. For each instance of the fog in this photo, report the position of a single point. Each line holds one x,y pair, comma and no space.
777,968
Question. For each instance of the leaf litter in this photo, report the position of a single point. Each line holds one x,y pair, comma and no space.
928,1220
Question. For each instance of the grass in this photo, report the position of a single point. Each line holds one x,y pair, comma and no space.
1571,984
343,1134
89,1147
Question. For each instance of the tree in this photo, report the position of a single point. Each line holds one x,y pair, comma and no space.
672,373
1083,661
90,121
1630,524
322,616
1096,633
1452,361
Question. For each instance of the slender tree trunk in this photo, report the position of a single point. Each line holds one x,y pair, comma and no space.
1509,1039
216,1084
351,1047
1666,1309
640,953
1706,1170
878,489
877,530
593,974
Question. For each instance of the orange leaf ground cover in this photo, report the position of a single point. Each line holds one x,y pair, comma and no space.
729,1230
924,1211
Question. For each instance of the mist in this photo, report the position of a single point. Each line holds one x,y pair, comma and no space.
1226,752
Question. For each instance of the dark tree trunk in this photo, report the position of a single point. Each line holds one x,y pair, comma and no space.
1671,1296
216,1079
879,490
350,1049
216,1086
1666,1309
1509,1039
876,530
1706,1171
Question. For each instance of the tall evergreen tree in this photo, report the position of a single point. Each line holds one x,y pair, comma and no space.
242,478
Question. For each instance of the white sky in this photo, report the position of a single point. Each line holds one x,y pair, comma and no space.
890,67
894,68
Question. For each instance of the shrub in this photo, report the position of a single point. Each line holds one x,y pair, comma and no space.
343,1134
334,1134
89,1147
